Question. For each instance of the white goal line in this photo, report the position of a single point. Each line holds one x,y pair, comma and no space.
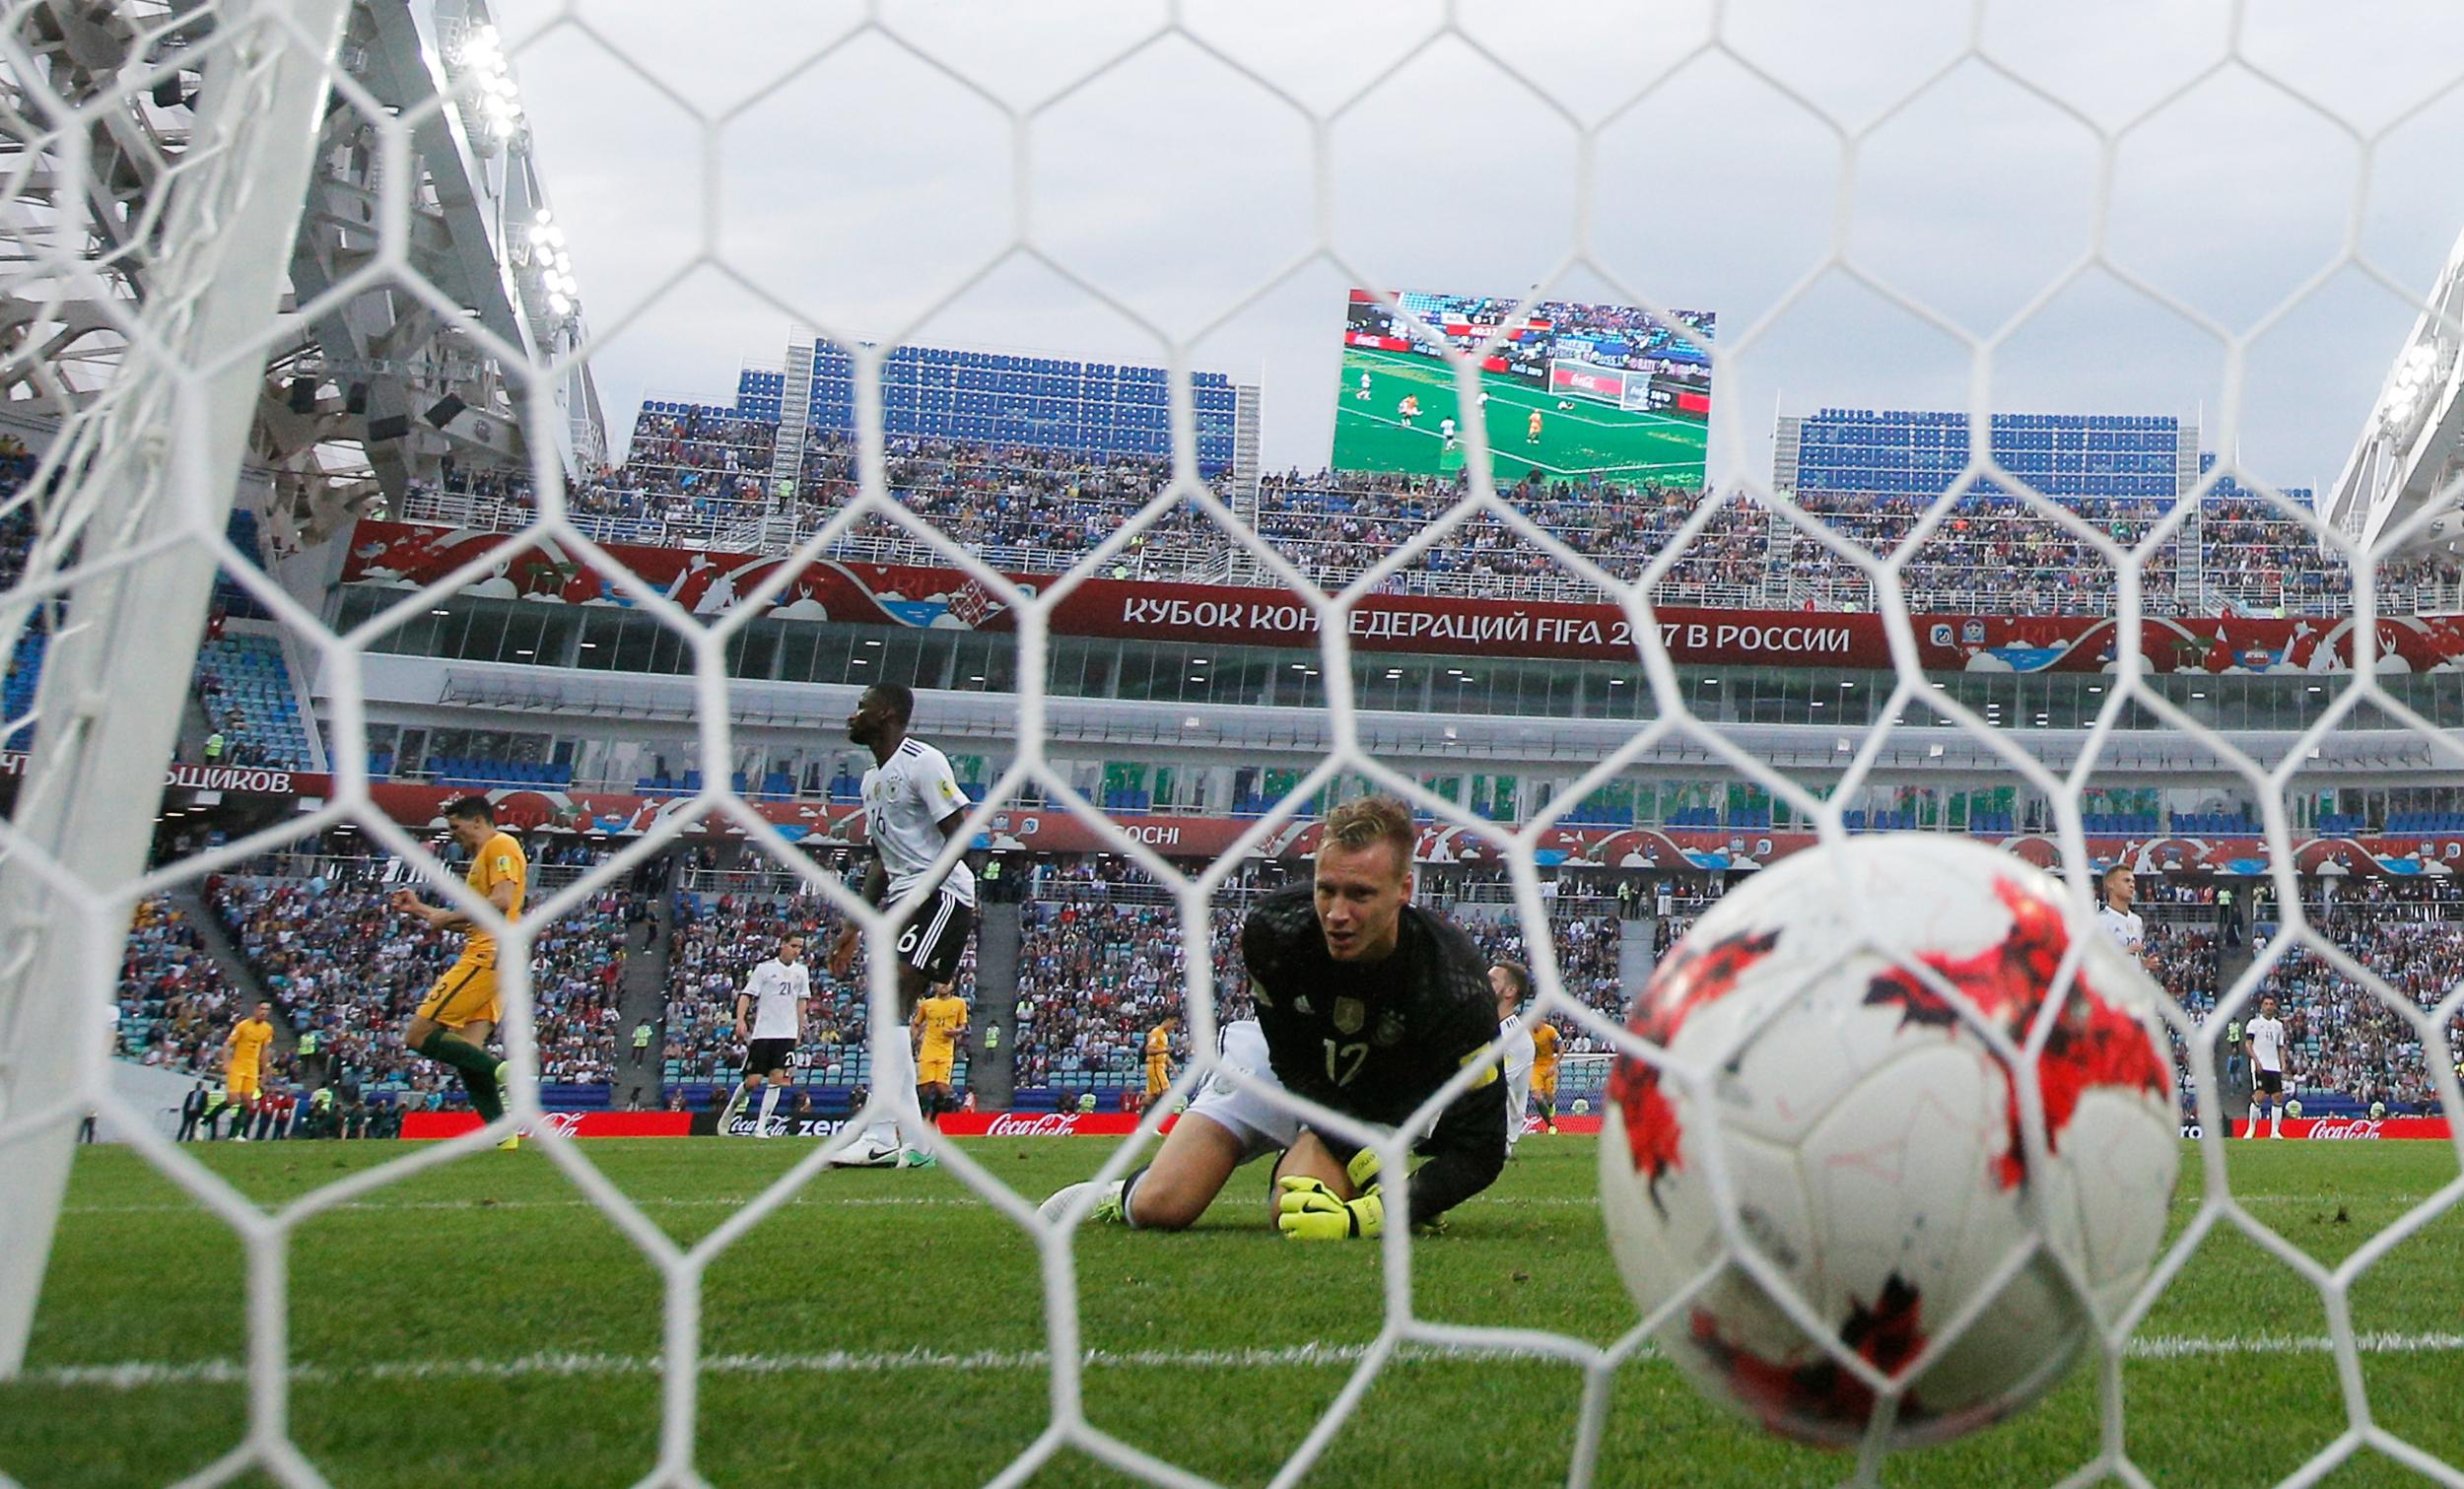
133,1375
959,1202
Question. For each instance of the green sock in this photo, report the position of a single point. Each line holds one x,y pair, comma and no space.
484,1099
477,1066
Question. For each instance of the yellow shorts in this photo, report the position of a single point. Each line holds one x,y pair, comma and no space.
1546,1089
239,1084
465,994
934,1070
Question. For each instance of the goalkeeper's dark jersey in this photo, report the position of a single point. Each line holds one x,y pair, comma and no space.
1372,1040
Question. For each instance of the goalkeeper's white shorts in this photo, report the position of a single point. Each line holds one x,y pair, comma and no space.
1261,1126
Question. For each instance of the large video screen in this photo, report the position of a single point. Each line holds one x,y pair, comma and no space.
1571,390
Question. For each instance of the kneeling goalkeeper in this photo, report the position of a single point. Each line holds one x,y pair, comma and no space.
1369,1004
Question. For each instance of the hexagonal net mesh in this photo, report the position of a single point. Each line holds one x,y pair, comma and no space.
144,354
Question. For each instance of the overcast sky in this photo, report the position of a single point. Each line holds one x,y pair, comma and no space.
859,191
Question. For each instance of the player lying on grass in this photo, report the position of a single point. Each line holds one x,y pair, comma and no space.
461,1010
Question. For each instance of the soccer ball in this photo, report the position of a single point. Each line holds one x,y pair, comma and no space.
1582,1106
2292,1108
1878,1148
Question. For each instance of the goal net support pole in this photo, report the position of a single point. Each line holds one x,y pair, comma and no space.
157,455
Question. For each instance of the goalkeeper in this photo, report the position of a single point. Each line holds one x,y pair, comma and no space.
1369,1004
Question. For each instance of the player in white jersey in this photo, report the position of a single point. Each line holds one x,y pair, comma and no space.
2264,1039
770,1021
2119,920
1223,1129
1512,983
1364,395
1446,427
913,806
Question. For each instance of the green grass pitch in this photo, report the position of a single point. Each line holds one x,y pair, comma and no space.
479,1323
1591,436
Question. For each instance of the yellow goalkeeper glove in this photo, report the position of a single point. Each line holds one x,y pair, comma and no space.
1306,1211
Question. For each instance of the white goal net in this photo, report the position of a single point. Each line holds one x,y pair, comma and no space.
1966,207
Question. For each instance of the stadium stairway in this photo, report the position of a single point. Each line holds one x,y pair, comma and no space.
191,901
647,945
1635,939
2232,958
994,1077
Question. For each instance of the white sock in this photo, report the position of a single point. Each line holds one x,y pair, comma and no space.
770,1100
900,1072
2253,1130
893,1073
2275,1120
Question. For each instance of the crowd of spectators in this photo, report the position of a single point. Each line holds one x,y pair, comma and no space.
176,1006
2343,1038
692,476
2181,955
1094,975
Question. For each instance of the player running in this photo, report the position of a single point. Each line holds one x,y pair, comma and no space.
461,1010
913,806
1446,427
1409,408
1510,980
2262,1039
769,1022
1369,1003
1159,1055
939,1023
1364,395
1224,1127
243,1071
1531,429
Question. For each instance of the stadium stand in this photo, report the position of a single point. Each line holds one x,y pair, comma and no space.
2345,1042
1099,410
176,1006
244,686
696,480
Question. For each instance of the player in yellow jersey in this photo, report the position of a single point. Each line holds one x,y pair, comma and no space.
1159,1056
1544,1073
243,1071
938,1023
460,1011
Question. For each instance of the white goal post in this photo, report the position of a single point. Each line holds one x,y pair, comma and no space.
1619,388
148,474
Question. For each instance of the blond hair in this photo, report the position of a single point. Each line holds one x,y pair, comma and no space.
1356,825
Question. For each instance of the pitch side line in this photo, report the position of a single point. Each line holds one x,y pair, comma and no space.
132,1375
890,1201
